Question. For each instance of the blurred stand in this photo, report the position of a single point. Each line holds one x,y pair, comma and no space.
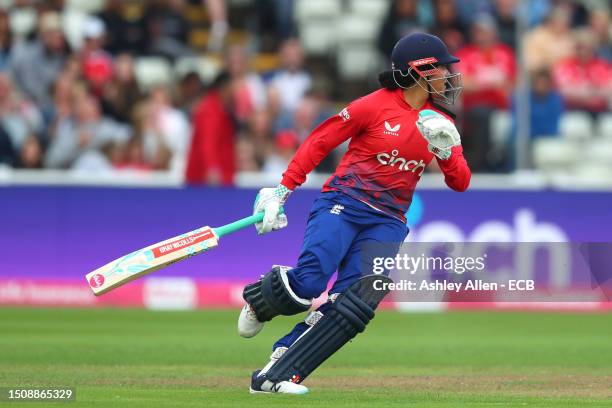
124,87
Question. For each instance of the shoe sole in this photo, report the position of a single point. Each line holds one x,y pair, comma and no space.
252,391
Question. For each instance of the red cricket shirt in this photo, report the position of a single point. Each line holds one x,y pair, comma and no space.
386,156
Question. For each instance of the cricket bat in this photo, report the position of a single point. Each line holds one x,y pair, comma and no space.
159,255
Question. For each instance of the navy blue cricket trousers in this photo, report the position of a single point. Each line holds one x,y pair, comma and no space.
337,229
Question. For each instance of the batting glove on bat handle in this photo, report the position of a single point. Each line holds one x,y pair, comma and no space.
270,201
440,133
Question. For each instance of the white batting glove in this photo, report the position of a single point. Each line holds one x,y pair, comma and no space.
440,132
270,201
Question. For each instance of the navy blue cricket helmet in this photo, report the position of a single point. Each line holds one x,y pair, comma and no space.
419,46
424,56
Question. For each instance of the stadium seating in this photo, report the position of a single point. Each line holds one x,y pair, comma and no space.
206,68
316,21
373,9
604,126
22,21
151,71
355,28
599,150
318,37
591,175
356,55
501,126
85,6
576,126
356,62
72,22
317,10
553,154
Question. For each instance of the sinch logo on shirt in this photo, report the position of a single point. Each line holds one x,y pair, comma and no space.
391,130
414,166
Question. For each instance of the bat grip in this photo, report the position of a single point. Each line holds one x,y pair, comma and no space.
241,223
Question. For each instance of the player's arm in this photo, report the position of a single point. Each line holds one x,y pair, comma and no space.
323,139
445,144
457,173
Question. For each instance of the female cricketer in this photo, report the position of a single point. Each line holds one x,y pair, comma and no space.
394,133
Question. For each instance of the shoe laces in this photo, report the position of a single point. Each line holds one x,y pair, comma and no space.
250,312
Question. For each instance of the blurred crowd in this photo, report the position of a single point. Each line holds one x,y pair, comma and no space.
80,104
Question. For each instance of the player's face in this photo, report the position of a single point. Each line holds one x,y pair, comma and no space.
438,80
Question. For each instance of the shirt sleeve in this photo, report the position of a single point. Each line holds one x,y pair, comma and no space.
323,139
456,171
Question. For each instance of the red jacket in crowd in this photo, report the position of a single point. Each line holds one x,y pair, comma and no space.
211,157
494,72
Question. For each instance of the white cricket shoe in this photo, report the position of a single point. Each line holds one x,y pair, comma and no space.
248,325
261,385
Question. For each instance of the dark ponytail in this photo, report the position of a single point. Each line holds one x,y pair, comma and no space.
387,81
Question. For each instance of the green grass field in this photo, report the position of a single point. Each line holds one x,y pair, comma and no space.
135,358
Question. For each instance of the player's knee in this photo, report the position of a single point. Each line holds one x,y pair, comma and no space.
309,289
310,278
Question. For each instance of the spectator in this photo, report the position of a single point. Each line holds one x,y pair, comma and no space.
578,11
85,130
60,109
488,69
470,9
167,29
305,118
600,24
31,154
309,114
217,10
291,82
133,157
36,64
19,118
6,40
536,11
505,14
249,90
404,17
274,22
246,155
96,63
546,106
448,23
260,133
147,149
166,126
285,146
122,93
125,27
43,6
189,92
72,68
211,156
549,43
8,155
585,80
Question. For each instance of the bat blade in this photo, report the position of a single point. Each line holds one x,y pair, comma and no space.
146,260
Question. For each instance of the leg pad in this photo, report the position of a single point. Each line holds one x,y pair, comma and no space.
272,296
349,315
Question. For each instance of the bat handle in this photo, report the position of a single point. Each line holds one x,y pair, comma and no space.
241,223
